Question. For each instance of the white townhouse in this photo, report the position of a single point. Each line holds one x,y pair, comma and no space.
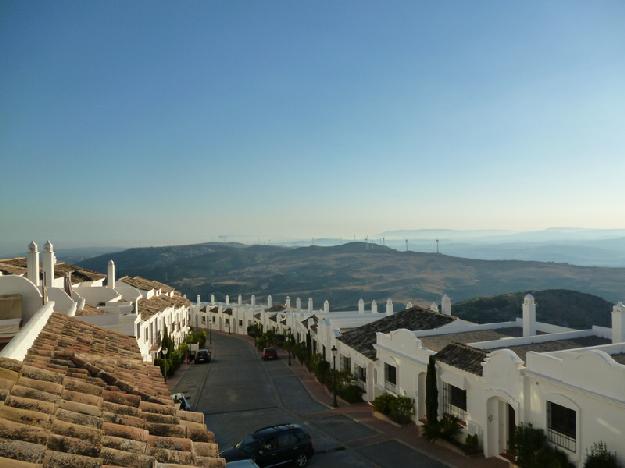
570,383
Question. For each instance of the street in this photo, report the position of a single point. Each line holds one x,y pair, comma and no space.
238,393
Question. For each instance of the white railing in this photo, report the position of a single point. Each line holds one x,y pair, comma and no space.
19,345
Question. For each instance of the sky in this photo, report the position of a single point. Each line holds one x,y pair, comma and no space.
147,122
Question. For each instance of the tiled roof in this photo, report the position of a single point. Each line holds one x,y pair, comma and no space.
463,357
228,311
89,310
79,274
84,398
17,266
154,305
146,284
362,338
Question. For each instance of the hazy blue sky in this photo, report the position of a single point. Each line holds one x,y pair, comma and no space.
125,122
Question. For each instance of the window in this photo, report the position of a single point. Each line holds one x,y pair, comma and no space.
287,440
561,426
361,373
346,364
213,319
454,401
390,374
240,323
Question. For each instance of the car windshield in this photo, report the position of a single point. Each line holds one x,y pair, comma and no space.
248,444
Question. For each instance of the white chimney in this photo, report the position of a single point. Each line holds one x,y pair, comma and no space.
298,304
212,299
361,306
389,307
227,298
287,303
310,305
110,277
48,264
269,301
409,305
618,323
253,300
529,316
32,263
326,306
374,307
197,300
240,300
446,305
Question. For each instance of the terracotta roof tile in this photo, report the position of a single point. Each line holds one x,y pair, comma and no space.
154,305
83,397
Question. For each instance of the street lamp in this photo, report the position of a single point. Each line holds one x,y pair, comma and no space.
334,375
290,343
164,351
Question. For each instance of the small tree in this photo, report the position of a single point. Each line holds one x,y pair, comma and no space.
599,457
431,392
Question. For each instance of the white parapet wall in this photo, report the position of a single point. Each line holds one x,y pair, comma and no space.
24,339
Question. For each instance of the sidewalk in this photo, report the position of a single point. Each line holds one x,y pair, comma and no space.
409,434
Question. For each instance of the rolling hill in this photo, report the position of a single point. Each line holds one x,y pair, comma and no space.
344,273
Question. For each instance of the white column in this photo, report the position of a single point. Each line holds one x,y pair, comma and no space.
212,299
253,300
374,307
389,307
361,306
197,300
618,323
298,304
446,304
287,303
32,264
240,299
110,277
310,305
269,301
529,316
48,264
227,298
326,306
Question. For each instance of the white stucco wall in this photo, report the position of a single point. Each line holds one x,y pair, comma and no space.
31,297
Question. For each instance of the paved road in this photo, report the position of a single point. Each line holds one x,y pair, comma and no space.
239,393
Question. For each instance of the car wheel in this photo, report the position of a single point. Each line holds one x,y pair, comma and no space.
301,460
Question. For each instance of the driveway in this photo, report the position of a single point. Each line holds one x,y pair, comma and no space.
238,393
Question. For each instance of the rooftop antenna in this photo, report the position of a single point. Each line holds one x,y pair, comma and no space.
406,245
437,251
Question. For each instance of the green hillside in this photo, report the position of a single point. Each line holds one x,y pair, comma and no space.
559,306
342,274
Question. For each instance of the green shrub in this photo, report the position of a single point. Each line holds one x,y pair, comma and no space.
399,409
432,430
472,444
402,410
531,449
599,457
450,427
382,403
351,393
254,330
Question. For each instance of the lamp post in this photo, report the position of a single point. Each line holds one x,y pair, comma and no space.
290,342
334,375
164,351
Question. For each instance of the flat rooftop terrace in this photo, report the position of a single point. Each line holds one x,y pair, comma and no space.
438,342
557,345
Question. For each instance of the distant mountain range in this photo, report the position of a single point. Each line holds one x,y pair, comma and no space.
344,273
